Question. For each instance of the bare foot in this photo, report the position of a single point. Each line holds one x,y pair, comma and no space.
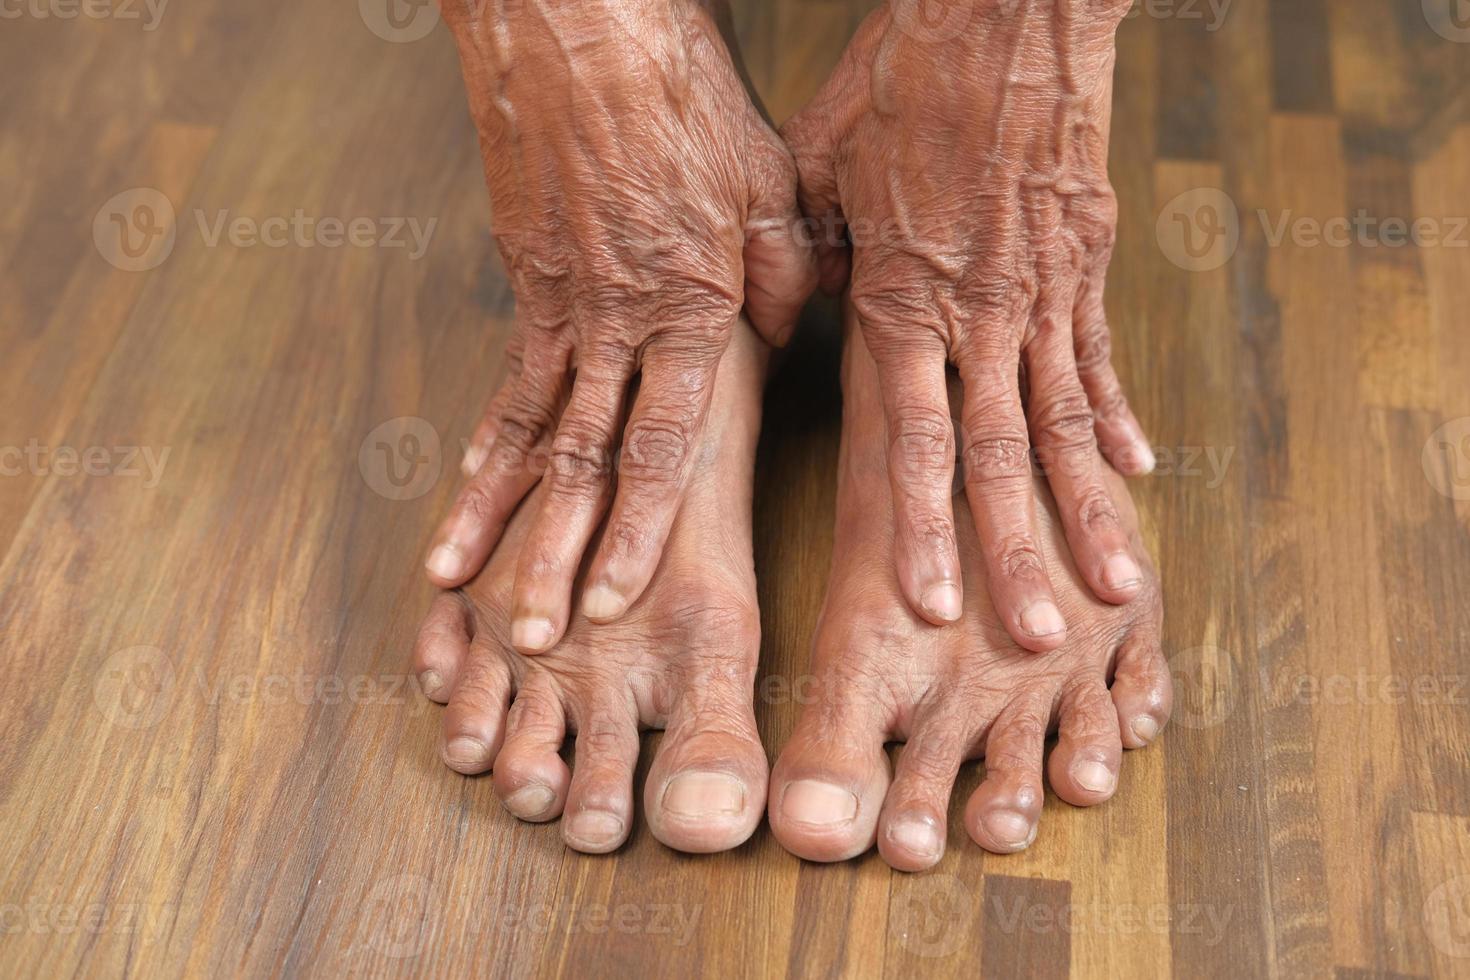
955,692
682,659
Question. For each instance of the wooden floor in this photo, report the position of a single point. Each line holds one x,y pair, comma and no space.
211,758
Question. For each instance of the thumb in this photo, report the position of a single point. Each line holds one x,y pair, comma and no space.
780,267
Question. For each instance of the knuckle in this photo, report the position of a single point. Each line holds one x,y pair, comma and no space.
1095,510
994,460
931,530
578,463
1017,558
476,503
1064,423
656,450
1093,349
923,439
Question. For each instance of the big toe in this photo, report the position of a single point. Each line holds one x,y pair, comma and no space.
707,787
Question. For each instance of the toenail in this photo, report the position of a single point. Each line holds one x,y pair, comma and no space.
1042,618
1145,728
944,601
1093,776
603,602
430,682
1009,828
1120,572
916,833
594,827
463,750
531,634
474,458
704,794
810,801
530,800
446,562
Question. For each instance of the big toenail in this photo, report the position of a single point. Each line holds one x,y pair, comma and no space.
463,750
704,794
1009,828
810,801
446,562
1043,618
595,827
530,800
944,601
531,634
915,833
1145,728
1120,572
1093,776
603,602
430,682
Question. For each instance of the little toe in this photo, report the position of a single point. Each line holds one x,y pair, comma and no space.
1084,766
706,790
530,776
911,828
474,721
599,810
1002,814
441,646
830,779
1143,691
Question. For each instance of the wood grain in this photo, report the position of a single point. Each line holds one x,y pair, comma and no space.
213,760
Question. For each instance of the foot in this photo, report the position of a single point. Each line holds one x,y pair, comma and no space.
957,692
682,659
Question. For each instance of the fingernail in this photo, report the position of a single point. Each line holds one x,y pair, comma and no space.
531,634
917,834
810,801
446,562
594,827
1145,728
704,794
430,682
1009,828
530,800
1120,571
463,750
603,602
1145,454
1042,618
1093,776
474,458
944,601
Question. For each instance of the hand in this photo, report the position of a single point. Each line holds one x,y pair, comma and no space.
639,200
966,163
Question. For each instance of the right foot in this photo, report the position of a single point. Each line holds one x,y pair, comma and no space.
954,692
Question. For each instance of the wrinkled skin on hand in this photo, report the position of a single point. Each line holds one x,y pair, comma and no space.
966,160
639,199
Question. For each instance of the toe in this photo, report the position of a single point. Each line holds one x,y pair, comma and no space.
474,722
1143,691
829,782
1084,766
530,777
599,807
441,646
1003,812
911,829
707,788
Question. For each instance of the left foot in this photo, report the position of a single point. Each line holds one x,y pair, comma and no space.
682,659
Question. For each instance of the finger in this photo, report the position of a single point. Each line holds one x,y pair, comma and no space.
1061,429
1084,766
653,469
780,261
479,515
1002,813
474,721
809,135
920,466
441,646
529,775
599,807
997,462
1118,433
578,482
